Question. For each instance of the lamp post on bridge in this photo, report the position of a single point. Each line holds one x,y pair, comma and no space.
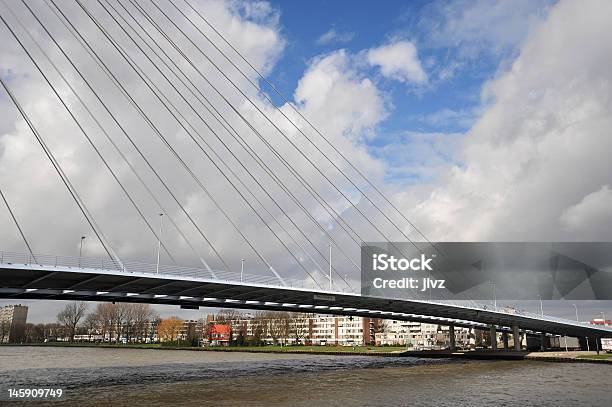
81,249
494,295
541,305
576,308
241,269
330,268
161,223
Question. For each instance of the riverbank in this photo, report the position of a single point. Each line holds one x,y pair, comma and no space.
381,351
314,350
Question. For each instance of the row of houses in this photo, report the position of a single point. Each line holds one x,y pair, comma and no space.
315,329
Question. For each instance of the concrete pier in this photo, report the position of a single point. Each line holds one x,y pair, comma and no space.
505,339
451,335
516,335
493,336
542,341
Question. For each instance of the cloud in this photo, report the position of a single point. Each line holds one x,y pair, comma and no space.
445,118
334,36
336,94
480,27
413,158
398,61
591,216
541,144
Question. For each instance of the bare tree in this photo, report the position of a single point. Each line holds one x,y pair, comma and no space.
141,315
71,315
91,324
299,327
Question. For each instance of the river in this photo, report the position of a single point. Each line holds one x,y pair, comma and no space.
129,377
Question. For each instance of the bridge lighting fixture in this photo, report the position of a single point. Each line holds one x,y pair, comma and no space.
161,223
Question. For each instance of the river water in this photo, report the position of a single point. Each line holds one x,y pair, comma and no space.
129,377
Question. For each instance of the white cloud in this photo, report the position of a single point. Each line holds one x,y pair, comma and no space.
335,36
399,61
334,92
591,216
543,143
483,26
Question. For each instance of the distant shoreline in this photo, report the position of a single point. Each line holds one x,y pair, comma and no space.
310,350
391,351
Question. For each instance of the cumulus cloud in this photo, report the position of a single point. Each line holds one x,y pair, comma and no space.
334,92
334,36
398,61
542,143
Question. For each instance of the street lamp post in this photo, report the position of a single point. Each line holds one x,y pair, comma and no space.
576,308
330,267
241,269
603,316
81,249
494,295
541,305
161,222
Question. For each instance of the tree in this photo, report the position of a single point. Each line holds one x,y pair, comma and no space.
169,328
140,316
299,327
91,324
70,316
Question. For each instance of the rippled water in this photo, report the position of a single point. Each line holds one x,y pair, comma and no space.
153,377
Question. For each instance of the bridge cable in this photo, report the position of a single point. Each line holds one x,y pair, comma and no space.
281,132
73,192
84,42
226,147
17,224
337,216
256,107
117,83
294,109
223,122
103,130
263,114
165,104
82,130
254,155
129,138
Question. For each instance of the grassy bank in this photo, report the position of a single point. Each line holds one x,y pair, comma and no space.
268,349
603,356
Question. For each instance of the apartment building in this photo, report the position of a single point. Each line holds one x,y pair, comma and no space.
419,335
12,323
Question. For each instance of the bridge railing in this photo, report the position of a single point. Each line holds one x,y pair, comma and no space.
7,257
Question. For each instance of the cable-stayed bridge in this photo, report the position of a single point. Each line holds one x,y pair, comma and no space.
169,109
87,279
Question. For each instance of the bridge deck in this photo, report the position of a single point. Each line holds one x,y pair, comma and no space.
51,282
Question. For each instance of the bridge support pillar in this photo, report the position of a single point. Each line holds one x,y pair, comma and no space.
451,336
516,336
505,339
542,341
493,336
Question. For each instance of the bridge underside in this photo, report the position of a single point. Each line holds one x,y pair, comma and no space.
58,283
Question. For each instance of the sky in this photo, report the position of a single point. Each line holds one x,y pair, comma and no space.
480,120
